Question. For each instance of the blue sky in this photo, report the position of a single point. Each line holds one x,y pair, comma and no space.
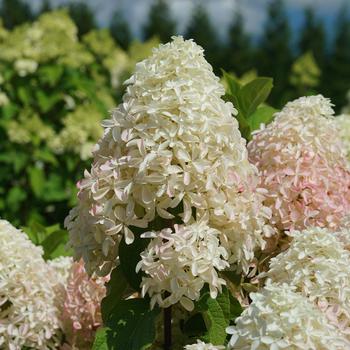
221,11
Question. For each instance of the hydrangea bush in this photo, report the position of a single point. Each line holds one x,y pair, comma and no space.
54,91
183,237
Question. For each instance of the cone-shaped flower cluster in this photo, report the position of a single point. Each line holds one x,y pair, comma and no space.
28,314
317,264
180,263
280,318
303,166
173,143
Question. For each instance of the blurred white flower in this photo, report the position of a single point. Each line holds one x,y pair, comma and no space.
28,315
280,318
173,140
180,263
25,66
4,100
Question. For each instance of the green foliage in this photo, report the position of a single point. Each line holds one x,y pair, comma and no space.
120,30
201,30
160,22
129,256
116,288
130,325
54,91
239,55
274,54
15,12
52,239
305,75
82,16
248,99
213,316
313,37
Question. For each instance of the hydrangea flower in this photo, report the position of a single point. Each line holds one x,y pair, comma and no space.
203,346
343,122
317,264
303,166
180,263
280,318
173,141
28,315
80,309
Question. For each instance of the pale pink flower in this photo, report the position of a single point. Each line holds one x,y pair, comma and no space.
303,166
81,314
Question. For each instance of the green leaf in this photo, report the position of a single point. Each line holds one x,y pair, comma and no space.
262,115
131,325
218,314
46,102
115,290
16,195
45,155
100,342
54,244
254,94
50,74
129,256
24,95
233,86
37,180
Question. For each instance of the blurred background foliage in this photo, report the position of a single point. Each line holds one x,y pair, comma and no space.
60,74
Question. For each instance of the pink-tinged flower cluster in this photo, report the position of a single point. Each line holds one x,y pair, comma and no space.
172,143
81,313
303,166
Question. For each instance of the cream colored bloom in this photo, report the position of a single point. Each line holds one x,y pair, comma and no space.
180,263
280,318
4,100
203,346
303,166
317,264
25,66
28,315
173,141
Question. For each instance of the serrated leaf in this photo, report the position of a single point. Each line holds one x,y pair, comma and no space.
218,314
131,325
254,94
115,290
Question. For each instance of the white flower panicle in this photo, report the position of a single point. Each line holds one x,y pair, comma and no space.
280,318
173,140
203,346
180,263
303,166
28,315
318,266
